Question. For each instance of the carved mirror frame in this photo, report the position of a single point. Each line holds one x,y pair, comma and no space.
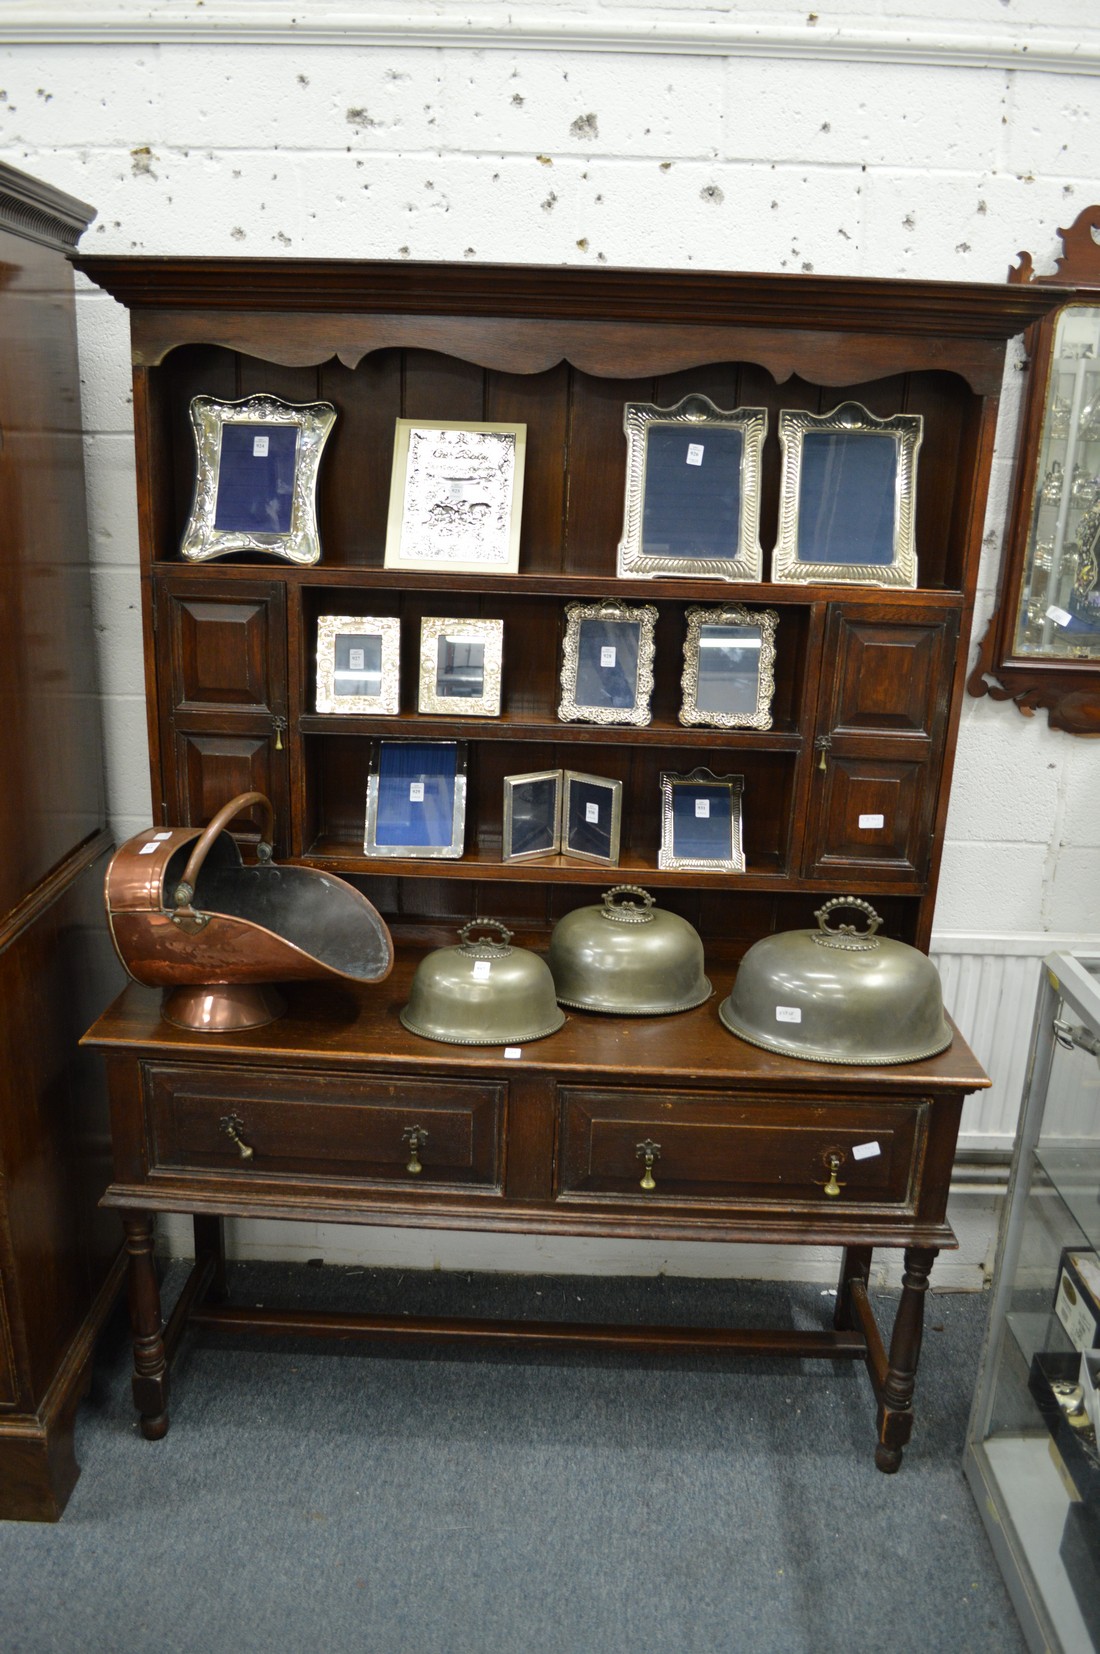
1049,674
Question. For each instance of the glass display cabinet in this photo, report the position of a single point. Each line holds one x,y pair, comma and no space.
1042,648
1031,1454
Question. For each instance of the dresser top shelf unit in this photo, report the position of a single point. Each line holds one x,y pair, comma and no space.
868,681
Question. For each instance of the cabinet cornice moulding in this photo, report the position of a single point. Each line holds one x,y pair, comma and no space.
495,27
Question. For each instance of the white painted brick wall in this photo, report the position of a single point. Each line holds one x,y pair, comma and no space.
883,157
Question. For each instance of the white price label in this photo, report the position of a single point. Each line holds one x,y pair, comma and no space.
416,792
865,1151
592,812
356,659
702,809
482,967
159,838
695,453
147,849
788,1013
869,823
1059,616
259,447
513,1053
607,655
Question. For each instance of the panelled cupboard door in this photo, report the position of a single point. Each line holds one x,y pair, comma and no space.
881,724
223,698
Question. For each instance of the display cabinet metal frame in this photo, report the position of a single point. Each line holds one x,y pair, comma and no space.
1032,652
1034,1484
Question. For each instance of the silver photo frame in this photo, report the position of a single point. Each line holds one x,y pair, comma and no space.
728,680
460,667
416,799
456,495
532,815
256,464
847,498
607,663
591,817
692,491
359,664
701,822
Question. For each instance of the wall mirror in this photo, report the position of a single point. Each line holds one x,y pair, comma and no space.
1042,648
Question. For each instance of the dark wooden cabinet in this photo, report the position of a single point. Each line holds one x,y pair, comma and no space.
846,793
60,1263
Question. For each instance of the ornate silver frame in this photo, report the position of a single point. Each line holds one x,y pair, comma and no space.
699,412
209,417
763,621
907,431
644,616
432,518
667,857
452,851
489,633
615,790
386,704
511,782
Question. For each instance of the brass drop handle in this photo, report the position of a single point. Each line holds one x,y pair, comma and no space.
822,744
834,1163
233,1127
278,723
649,1152
415,1137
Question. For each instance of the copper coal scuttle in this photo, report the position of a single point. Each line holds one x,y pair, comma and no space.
187,915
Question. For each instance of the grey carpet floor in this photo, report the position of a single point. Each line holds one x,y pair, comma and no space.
466,1502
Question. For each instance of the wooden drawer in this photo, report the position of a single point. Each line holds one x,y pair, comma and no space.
331,1126
759,1151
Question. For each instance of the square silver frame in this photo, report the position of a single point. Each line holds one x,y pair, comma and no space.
614,790
764,622
644,616
511,782
906,431
433,521
387,703
696,414
734,785
453,850
301,544
490,634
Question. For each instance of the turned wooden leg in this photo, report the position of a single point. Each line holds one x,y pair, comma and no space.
150,1380
895,1417
210,1243
855,1265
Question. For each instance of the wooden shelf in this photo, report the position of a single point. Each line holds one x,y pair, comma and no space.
342,856
365,577
411,726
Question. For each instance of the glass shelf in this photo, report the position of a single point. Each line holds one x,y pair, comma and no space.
1074,1173
1037,1487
